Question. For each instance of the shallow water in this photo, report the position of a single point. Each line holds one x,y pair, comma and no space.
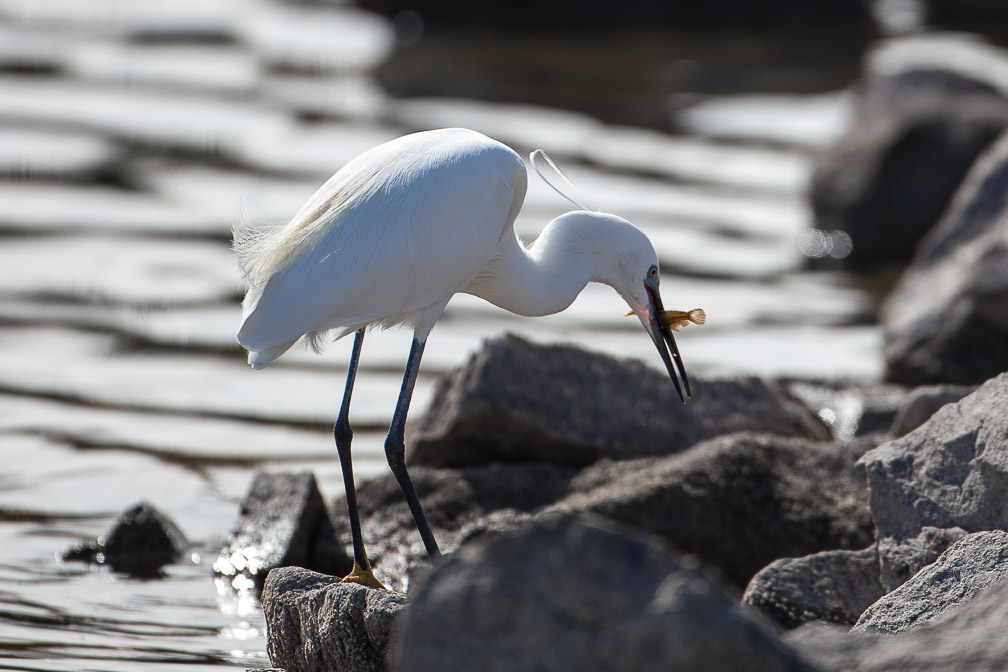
132,135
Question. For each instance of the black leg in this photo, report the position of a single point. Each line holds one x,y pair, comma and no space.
344,435
395,449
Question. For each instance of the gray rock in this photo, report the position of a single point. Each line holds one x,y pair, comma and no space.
904,557
969,568
946,321
923,402
968,639
456,501
832,586
517,401
914,137
739,501
318,623
951,472
139,543
283,521
569,593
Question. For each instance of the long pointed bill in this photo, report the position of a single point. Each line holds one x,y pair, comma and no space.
665,342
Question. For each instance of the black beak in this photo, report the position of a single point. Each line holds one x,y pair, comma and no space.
665,342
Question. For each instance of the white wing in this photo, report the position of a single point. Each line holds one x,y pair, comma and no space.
398,230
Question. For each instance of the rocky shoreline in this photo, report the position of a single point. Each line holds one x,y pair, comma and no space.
592,520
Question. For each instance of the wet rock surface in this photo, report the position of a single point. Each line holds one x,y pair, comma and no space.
139,543
568,592
283,521
516,401
318,623
945,321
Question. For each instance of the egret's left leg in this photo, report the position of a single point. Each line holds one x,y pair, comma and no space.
395,449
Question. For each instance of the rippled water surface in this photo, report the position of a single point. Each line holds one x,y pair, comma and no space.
132,135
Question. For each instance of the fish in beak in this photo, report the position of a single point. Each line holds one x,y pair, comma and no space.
657,325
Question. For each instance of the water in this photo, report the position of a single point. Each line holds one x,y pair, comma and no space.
133,134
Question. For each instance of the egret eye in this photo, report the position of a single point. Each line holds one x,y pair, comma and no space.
652,272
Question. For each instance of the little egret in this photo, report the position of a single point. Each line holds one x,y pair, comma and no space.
393,235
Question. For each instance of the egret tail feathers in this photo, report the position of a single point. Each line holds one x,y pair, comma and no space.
260,359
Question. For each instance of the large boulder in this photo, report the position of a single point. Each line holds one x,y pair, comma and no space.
832,586
968,639
944,479
518,401
739,501
947,319
917,129
318,623
966,570
568,593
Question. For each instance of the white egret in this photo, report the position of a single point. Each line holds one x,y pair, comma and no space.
393,235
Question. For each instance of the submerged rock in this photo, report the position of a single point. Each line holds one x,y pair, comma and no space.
568,593
141,541
283,522
517,401
318,623
832,586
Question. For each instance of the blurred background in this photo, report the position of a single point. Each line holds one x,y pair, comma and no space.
133,134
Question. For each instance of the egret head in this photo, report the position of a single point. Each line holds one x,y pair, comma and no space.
632,270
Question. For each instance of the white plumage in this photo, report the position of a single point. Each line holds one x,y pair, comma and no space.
396,232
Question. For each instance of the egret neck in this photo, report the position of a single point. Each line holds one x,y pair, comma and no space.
546,276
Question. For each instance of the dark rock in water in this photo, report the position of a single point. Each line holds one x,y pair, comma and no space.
947,477
569,593
318,623
739,501
141,541
923,402
968,639
833,586
969,568
947,319
283,521
889,179
517,401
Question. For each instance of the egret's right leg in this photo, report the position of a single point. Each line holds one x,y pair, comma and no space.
361,572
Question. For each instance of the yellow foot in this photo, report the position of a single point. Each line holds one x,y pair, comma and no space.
364,577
